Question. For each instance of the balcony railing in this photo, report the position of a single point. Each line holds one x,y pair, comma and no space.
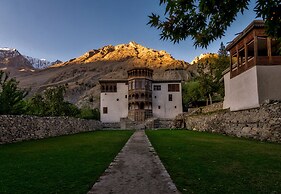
260,60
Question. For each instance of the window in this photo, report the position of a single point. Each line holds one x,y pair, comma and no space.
117,99
159,107
275,48
262,46
157,87
154,96
170,97
175,106
105,110
125,96
109,87
173,87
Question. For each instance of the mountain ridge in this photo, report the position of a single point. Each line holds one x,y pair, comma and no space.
81,75
123,52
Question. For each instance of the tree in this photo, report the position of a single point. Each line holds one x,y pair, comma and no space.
54,99
51,103
11,96
88,113
222,51
37,106
191,92
208,84
207,20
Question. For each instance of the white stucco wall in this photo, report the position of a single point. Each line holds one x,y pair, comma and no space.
116,109
269,82
168,109
227,94
241,92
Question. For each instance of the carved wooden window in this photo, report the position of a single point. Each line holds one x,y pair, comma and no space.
173,87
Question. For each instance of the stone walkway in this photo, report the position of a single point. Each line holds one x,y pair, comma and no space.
136,169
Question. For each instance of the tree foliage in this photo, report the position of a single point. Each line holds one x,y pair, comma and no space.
11,96
208,85
191,92
51,103
207,20
88,113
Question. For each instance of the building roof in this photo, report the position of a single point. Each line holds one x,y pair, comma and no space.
140,68
126,80
254,24
167,81
113,80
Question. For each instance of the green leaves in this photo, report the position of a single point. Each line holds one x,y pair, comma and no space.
11,96
51,103
207,20
208,84
270,11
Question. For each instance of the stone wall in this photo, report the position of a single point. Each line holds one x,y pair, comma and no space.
262,123
111,125
206,109
14,128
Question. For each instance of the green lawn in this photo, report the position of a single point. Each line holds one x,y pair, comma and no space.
210,163
67,164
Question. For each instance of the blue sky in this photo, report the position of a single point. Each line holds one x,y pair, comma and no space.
64,29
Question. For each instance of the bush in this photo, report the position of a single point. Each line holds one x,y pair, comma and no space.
11,96
51,103
88,113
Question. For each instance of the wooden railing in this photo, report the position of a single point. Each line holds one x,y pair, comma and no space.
260,60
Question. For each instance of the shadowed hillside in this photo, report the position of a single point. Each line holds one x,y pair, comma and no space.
81,74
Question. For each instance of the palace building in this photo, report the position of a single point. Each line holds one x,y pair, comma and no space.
254,75
139,97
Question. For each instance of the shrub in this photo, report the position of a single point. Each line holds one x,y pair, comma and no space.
88,113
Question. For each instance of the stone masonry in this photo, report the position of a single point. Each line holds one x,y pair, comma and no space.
14,128
262,123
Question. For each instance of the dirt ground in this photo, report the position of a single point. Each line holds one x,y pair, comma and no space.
136,169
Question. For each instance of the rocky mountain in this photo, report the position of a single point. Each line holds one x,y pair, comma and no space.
12,61
81,74
203,56
40,63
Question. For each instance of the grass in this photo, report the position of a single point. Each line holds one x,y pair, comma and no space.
67,164
211,163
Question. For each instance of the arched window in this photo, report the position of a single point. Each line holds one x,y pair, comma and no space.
142,105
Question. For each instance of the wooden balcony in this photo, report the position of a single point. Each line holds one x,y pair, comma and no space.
258,61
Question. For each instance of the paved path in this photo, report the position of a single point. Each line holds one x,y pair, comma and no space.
136,169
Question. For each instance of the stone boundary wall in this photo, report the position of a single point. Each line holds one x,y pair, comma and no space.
206,109
111,125
165,123
14,128
262,123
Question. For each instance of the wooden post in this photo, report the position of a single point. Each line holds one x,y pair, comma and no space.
246,54
255,49
237,53
269,50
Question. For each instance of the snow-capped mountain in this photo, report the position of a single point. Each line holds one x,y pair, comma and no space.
38,63
13,62
8,52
